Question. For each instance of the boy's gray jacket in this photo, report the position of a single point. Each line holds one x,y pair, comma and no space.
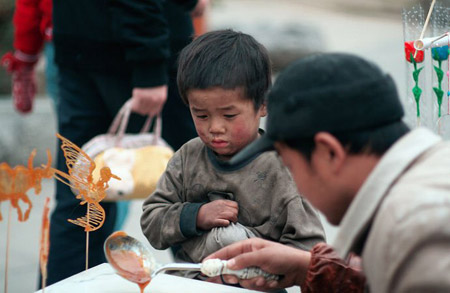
400,219
269,203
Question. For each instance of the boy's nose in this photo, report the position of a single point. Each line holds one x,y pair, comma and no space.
216,126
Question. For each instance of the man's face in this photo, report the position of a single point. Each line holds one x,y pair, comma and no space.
312,182
225,120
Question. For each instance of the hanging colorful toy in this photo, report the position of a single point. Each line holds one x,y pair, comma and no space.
414,56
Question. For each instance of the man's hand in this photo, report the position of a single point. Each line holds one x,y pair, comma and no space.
149,101
291,263
218,213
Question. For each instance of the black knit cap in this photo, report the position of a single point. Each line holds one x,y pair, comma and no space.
330,92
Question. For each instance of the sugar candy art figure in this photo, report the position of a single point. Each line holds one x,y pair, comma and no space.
80,179
15,183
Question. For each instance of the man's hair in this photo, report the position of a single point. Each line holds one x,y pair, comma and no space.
341,94
375,141
225,59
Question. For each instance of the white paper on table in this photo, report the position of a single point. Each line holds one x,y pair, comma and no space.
103,278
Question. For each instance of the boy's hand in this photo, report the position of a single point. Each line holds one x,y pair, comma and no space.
218,213
149,101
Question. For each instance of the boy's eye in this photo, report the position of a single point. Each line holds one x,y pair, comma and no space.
230,115
201,116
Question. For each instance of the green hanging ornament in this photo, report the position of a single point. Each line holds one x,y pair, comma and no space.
439,54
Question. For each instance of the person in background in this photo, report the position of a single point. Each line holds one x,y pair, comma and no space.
107,52
200,203
200,20
32,33
336,121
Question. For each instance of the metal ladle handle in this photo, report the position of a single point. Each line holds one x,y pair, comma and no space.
216,267
250,273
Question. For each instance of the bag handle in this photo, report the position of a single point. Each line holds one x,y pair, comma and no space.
120,123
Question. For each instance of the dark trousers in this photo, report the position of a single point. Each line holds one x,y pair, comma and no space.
88,103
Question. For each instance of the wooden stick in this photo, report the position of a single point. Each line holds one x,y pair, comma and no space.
44,280
426,23
427,19
87,249
87,237
7,247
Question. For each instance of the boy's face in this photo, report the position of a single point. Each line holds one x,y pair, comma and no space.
225,120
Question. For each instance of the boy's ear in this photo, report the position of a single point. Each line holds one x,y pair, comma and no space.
329,152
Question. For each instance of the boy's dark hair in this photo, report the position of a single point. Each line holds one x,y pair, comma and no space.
374,141
225,59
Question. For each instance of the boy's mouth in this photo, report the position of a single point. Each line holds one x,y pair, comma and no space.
218,143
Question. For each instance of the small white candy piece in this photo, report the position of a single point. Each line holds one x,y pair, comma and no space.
213,267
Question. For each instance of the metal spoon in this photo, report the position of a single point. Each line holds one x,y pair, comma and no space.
134,261
129,257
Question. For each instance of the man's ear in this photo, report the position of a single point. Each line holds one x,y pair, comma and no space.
329,152
263,110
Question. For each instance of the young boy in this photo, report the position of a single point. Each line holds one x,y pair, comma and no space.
202,203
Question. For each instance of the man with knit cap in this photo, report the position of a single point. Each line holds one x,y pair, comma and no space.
336,121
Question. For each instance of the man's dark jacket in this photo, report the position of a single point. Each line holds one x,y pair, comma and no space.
138,37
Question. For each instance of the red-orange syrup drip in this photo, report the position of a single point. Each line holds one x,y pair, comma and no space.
143,285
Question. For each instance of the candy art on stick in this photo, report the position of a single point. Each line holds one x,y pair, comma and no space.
80,179
410,52
439,54
430,82
438,47
413,20
45,243
16,182
14,185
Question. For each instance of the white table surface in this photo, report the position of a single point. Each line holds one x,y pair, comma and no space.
103,278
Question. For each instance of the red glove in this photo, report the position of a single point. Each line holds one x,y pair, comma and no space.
21,66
